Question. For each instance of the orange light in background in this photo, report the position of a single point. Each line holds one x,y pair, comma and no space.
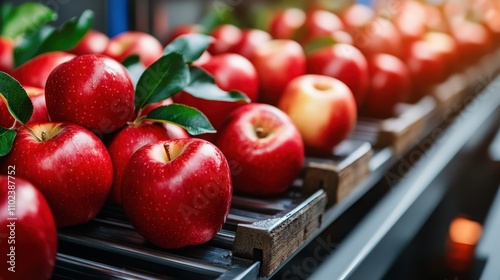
463,237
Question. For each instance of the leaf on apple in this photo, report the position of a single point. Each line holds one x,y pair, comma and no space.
6,140
16,98
189,118
319,43
5,10
162,79
47,39
202,85
190,46
26,18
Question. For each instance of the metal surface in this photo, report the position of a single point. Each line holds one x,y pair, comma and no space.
371,247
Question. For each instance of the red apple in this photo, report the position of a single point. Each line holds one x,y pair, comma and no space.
435,19
125,143
410,21
34,72
187,186
93,42
68,164
343,62
378,36
265,148
6,55
91,90
356,16
286,23
204,58
322,23
28,231
225,36
446,47
473,39
277,63
183,30
250,40
390,84
128,43
231,72
37,96
426,68
322,108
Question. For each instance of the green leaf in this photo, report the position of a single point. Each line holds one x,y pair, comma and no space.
194,121
26,17
5,10
6,140
18,102
162,79
27,47
202,85
319,43
48,39
68,34
191,46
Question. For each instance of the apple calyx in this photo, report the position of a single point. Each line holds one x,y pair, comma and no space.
321,86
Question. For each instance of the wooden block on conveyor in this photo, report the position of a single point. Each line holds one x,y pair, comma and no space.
400,132
341,173
449,92
274,240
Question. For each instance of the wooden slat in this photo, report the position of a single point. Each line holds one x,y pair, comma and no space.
340,176
400,132
272,241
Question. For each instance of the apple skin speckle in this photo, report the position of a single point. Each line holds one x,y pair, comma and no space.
72,169
181,202
93,91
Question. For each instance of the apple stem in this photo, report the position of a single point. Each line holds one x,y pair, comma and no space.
167,146
33,133
260,132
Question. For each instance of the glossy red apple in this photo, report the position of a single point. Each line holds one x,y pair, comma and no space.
321,23
68,164
225,36
91,90
6,55
378,36
264,147
187,186
473,39
128,43
426,69
446,47
390,84
183,30
343,62
93,42
28,232
286,23
411,21
40,114
204,58
34,72
249,41
277,63
356,16
231,72
322,108
125,143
